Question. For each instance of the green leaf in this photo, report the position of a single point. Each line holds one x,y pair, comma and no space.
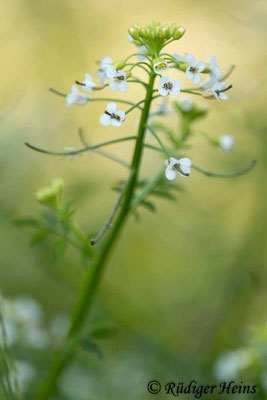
91,347
148,205
164,194
28,222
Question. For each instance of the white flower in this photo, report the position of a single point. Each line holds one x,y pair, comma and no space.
218,91
117,79
103,64
166,86
193,70
160,67
76,97
186,104
182,167
214,74
111,116
226,143
88,84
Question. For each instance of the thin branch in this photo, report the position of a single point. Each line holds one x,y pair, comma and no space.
87,148
108,225
99,99
228,73
229,175
158,140
135,106
102,152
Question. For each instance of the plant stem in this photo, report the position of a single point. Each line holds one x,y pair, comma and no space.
93,276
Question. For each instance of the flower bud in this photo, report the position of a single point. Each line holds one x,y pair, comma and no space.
133,33
50,195
119,65
128,75
179,33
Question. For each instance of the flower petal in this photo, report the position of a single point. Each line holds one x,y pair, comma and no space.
112,108
170,173
200,66
189,75
196,79
113,85
105,119
123,86
121,114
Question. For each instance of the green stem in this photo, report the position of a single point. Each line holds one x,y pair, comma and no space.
93,276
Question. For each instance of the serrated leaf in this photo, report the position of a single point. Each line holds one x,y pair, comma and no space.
91,347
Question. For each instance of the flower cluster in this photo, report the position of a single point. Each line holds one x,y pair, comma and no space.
150,40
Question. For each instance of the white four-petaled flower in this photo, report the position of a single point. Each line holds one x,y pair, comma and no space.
111,116
76,97
193,70
103,65
117,79
226,143
174,167
218,91
88,84
166,86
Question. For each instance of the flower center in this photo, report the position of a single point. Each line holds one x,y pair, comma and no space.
160,66
167,86
119,78
177,167
193,69
112,115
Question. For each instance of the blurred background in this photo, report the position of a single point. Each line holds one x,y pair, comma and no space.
186,286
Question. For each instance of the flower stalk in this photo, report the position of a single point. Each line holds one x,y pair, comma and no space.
93,276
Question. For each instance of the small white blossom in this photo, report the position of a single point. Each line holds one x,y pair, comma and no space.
218,91
226,143
117,79
76,97
103,65
214,74
160,67
88,84
186,104
174,167
166,86
193,70
111,116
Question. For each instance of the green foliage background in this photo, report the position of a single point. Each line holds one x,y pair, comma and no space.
186,283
